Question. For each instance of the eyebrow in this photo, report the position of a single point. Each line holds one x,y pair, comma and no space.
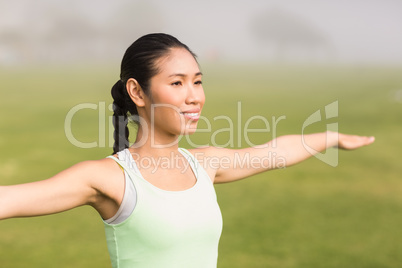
184,75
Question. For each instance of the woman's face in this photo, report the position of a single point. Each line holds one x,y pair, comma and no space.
177,95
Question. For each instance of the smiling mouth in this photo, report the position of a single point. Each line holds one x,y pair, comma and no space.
192,116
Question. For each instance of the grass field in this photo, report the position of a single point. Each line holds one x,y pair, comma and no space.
306,216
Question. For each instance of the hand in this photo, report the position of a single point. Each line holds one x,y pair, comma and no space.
351,142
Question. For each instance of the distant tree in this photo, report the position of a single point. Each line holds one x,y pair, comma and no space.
13,47
286,33
71,35
134,19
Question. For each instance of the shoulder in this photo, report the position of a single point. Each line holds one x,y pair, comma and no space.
98,168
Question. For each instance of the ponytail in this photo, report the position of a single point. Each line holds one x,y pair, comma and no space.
120,118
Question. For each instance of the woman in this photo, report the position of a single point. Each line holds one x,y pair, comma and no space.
157,200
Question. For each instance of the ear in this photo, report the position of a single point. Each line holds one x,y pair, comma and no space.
135,92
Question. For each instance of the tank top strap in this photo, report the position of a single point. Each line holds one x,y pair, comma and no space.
197,167
124,165
191,159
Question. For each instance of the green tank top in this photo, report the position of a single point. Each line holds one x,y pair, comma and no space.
168,228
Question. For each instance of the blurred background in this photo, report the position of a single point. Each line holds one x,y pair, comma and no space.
307,31
277,58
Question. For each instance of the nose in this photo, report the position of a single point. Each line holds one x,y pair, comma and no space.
195,94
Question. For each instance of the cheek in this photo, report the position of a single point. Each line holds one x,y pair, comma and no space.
166,113
167,110
165,95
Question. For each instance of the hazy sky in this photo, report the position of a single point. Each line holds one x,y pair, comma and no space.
356,31
360,30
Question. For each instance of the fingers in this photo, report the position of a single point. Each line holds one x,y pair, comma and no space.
362,141
366,140
370,140
350,142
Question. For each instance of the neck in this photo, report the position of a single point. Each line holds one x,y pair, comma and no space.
153,144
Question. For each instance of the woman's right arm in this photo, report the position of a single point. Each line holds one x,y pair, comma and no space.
86,183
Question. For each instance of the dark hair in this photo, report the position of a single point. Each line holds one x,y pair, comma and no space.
139,62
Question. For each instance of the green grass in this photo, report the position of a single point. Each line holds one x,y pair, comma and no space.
309,215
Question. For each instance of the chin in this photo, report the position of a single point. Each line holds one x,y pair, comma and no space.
190,131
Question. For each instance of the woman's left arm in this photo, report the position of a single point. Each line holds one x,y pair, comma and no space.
228,165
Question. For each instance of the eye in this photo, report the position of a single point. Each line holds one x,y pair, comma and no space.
177,83
199,82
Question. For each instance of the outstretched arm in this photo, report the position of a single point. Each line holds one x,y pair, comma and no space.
226,165
297,148
81,184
